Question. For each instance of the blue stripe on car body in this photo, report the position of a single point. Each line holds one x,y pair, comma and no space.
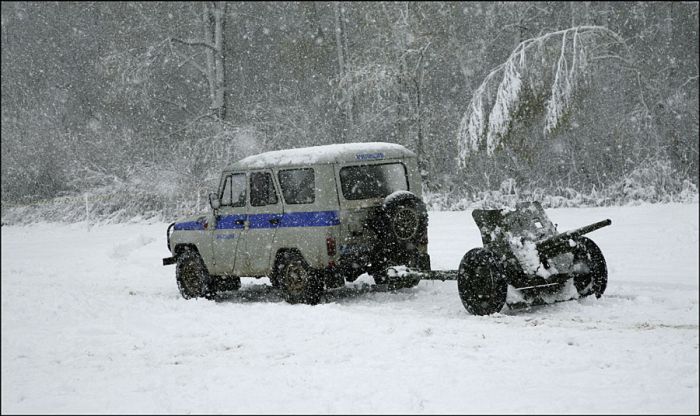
189,226
228,222
310,219
264,220
257,221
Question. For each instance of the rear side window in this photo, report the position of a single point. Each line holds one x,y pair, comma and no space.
234,191
298,186
262,190
372,181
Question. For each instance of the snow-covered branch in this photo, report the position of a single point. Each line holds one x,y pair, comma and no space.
377,78
489,116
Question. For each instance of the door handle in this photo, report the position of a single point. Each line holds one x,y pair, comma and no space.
240,222
274,221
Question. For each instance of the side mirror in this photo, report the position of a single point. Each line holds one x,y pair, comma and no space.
214,201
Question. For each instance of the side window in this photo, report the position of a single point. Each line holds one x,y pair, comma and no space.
298,186
226,194
234,191
238,190
262,190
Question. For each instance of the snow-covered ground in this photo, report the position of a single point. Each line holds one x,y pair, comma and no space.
91,322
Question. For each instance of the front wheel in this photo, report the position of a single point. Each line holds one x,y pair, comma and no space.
298,282
481,281
192,277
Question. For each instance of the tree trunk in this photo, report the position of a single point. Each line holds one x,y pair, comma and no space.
341,46
213,26
419,79
208,37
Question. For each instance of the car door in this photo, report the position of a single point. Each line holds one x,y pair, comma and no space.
264,217
230,223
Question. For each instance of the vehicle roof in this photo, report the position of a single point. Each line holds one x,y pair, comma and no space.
332,153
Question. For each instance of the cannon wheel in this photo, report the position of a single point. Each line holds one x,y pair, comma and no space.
596,280
481,281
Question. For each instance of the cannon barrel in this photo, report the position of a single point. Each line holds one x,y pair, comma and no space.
560,242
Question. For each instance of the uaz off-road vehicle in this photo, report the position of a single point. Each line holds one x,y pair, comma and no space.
308,219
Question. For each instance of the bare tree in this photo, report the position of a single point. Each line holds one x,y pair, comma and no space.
388,81
343,64
212,43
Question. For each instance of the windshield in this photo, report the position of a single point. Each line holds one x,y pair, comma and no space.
372,181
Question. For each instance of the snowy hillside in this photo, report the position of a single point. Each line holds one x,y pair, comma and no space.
92,323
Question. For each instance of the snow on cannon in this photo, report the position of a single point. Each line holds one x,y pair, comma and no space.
525,261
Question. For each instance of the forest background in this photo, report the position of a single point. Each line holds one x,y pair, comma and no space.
132,109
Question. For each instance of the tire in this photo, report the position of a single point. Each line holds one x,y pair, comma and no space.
192,277
596,279
298,281
400,225
481,282
405,216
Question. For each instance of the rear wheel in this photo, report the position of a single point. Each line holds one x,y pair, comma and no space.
298,281
594,279
191,275
481,281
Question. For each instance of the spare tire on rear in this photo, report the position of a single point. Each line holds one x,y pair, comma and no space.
401,225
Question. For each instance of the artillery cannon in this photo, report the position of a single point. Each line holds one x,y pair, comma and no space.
524,261
522,250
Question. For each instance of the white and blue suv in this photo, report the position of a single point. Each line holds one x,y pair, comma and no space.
309,219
